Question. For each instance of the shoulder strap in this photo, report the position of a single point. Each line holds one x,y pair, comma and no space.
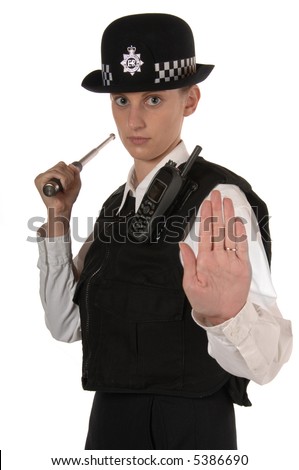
118,192
113,202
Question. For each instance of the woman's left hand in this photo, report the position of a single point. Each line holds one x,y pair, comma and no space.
217,281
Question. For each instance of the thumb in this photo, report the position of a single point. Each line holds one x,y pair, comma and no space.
188,260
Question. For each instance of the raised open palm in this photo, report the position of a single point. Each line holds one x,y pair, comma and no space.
217,281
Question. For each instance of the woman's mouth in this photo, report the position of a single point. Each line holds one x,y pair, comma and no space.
138,140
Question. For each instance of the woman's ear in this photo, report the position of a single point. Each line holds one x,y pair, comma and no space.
192,99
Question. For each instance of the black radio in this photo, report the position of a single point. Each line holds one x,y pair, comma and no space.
159,199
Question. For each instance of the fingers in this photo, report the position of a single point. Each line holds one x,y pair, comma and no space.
220,229
235,231
189,263
212,227
206,227
69,176
230,236
65,173
241,239
217,221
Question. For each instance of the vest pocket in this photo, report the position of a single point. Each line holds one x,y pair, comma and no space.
146,336
160,356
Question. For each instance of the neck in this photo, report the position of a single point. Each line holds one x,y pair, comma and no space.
144,167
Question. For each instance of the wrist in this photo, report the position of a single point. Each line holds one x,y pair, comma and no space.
209,320
58,223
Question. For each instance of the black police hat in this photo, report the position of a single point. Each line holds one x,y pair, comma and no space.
146,52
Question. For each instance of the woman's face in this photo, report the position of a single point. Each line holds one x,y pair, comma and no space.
149,123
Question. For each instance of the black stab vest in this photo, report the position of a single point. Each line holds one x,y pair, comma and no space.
137,331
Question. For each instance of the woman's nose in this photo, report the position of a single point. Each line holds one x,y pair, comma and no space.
136,118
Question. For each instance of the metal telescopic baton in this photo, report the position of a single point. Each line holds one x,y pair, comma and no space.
53,186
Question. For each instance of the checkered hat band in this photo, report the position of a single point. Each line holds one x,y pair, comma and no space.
174,69
106,75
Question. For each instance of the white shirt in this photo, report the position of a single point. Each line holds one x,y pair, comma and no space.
254,344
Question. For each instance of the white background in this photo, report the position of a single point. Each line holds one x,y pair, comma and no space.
247,120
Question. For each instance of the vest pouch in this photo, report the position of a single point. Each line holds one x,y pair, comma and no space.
142,336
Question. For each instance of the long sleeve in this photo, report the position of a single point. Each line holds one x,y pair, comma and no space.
258,341
57,286
254,344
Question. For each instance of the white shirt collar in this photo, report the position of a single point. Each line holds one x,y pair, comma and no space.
178,155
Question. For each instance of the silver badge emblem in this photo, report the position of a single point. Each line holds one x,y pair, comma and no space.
131,62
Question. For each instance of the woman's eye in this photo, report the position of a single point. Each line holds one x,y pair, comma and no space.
121,101
154,100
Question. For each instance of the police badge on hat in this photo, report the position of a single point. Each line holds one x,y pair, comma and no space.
131,62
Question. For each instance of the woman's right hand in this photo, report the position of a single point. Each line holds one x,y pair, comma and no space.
60,205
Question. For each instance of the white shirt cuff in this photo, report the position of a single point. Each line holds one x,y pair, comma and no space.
56,250
235,329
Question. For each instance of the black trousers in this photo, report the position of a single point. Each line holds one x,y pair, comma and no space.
144,421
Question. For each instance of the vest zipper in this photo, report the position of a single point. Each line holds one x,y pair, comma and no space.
95,273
